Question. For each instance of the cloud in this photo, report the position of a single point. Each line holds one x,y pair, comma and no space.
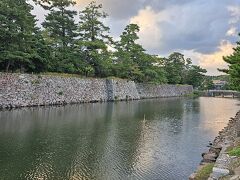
192,25
234,20
150,33
212,61
197,27
235,14
119,10
232,31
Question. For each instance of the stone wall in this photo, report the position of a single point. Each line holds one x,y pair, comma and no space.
224,166
124,90
20,90
156,91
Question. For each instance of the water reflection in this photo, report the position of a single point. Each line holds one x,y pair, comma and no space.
150,139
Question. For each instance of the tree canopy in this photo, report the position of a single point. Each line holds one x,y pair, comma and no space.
80,43
94,39
234,67
21,44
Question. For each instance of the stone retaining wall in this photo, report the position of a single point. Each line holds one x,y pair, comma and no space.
156,91
21,90
225,166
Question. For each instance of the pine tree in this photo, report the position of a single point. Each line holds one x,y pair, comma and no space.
132,60
128,53
175,68
18,35
94,40
195,76
60,31
234,67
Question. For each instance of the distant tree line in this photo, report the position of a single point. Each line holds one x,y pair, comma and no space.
84,47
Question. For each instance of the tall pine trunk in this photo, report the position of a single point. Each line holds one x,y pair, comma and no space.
8,65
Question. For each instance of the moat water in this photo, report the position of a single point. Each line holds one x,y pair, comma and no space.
147,139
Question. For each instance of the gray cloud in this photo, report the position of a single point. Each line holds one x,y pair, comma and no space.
198,25
123,9
195,24
163,4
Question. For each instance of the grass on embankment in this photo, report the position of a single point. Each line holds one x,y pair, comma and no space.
195,94
66,75
234,151
204,172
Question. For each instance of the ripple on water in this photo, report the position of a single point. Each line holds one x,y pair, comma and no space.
152,139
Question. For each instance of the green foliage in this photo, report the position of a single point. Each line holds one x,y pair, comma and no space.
83,48
196,94
181,71
207,84
234,152
94,40
174,66
20,47
204,172
128,53
234,67
195,76
132,62
60,32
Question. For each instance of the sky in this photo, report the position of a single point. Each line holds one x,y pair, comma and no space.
204,30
